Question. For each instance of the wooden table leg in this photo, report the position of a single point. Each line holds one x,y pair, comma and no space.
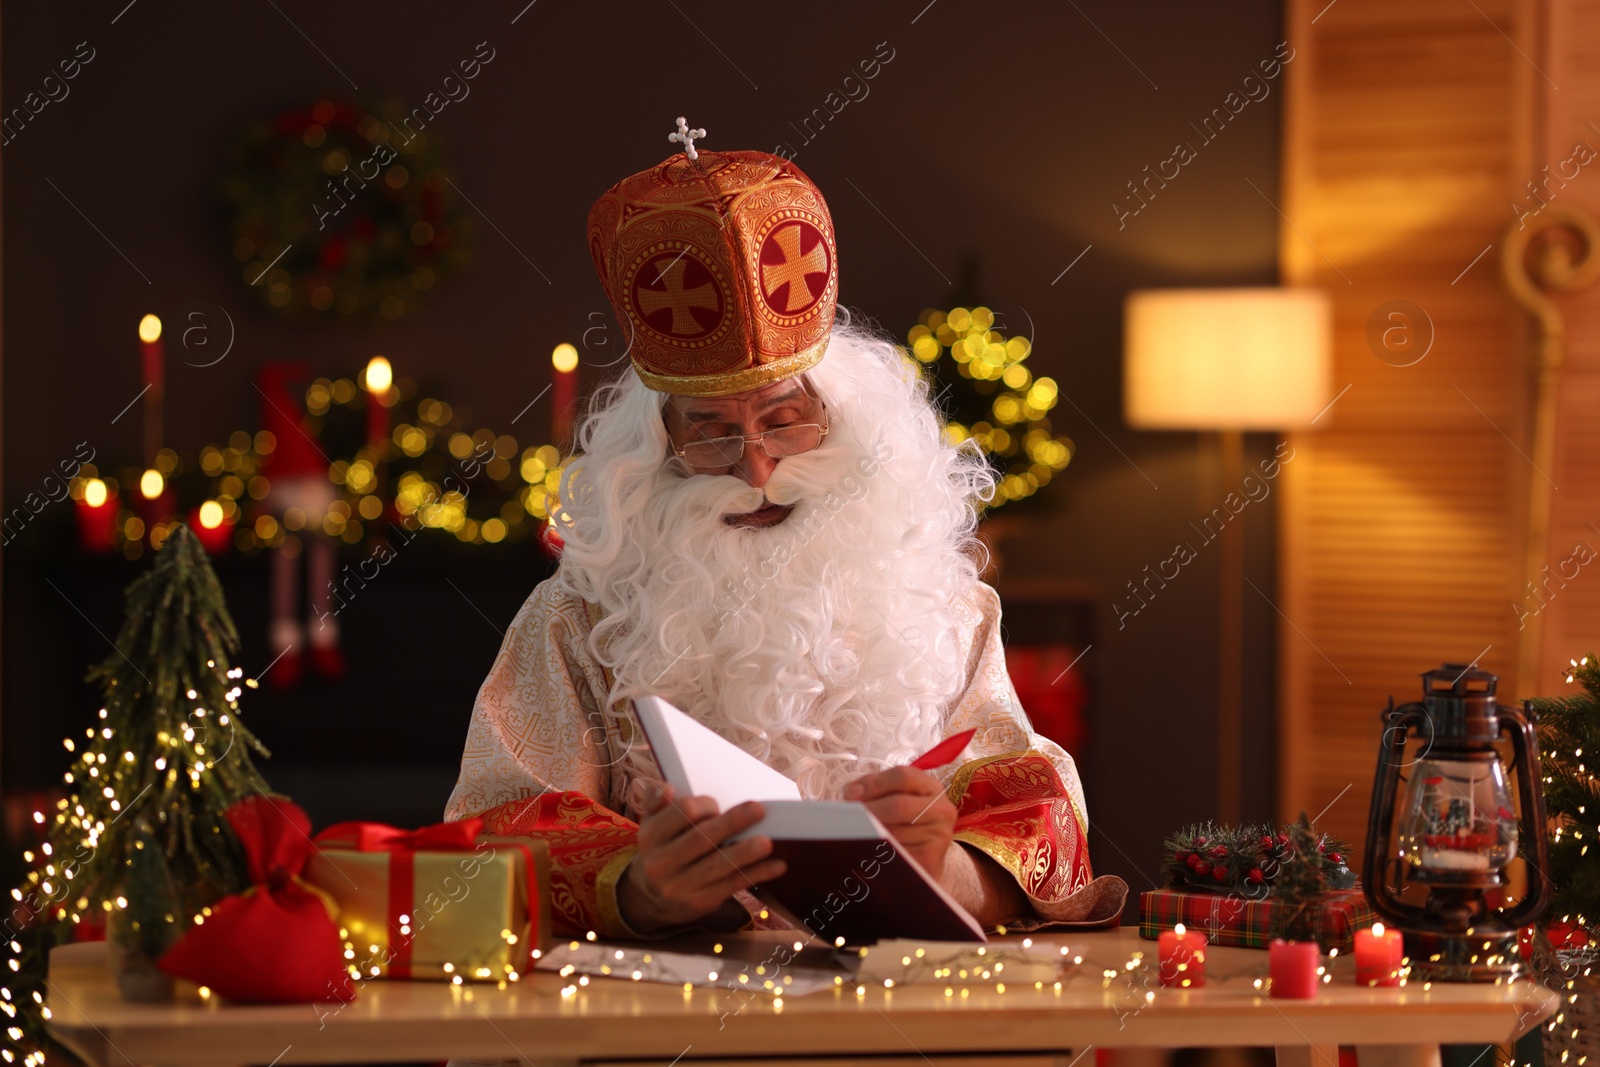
1309,1056
1398,1055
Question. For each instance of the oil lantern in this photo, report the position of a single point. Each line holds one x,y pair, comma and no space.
1457,827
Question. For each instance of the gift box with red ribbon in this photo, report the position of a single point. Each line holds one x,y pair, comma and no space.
444,901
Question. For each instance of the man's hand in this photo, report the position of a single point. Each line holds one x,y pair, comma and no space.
913,807
684,870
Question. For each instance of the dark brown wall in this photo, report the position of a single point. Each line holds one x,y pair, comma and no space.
1001,129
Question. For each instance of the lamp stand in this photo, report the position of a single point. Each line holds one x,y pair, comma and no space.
1230,638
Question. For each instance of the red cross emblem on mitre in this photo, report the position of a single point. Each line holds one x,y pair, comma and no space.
722,269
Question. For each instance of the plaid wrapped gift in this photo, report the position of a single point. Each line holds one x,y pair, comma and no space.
1244,922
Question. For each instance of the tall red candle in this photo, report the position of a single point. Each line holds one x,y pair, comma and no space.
563,391
152,363
152,355
378,380
1294,968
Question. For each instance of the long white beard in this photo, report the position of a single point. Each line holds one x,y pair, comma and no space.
825,645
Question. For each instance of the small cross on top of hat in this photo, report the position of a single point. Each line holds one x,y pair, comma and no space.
687,137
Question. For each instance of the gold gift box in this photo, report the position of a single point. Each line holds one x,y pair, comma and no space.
469,915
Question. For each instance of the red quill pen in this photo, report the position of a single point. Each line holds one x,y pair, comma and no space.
945,751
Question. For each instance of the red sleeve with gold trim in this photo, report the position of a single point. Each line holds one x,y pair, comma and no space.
590,846
1015,809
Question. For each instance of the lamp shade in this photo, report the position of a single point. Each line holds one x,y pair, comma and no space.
1226,359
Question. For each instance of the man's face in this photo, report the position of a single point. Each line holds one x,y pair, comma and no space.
785,403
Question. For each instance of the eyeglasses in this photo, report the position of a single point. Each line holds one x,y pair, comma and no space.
721,452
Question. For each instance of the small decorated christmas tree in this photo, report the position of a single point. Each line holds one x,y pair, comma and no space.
1300,880
1564,951
1569,744
141,839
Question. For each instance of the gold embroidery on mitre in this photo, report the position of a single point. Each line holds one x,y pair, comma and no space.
737,381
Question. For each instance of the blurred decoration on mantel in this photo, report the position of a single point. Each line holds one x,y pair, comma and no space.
421,473
360,465
1228,360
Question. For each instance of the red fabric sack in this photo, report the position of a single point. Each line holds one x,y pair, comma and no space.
277,941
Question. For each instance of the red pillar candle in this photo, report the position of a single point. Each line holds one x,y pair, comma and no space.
1294,968
97,517
1378,956
1183,958
211,527
157,501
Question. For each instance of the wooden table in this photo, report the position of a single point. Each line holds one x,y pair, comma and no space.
614,1019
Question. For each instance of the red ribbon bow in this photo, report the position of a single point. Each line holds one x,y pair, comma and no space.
458,836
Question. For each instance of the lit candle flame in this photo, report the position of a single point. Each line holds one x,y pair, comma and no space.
151,483
379,375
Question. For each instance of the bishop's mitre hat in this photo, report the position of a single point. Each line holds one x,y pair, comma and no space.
721,267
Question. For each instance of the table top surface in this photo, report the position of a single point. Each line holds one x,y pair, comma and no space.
547,1015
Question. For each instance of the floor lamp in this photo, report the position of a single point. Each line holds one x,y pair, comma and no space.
1227,361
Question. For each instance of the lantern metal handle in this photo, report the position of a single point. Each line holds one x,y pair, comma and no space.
1518,722
1398,723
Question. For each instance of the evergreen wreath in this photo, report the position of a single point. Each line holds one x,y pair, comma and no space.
340,212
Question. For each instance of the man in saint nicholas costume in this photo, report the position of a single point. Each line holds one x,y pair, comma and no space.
766,526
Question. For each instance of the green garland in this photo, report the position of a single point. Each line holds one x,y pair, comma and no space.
480,487
338,212
1252,858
